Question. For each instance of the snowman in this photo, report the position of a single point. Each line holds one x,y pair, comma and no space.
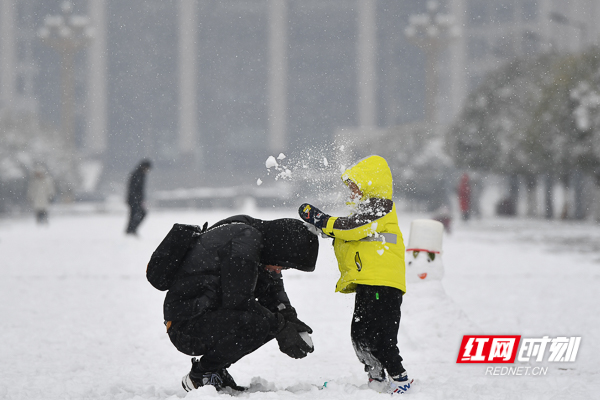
424,251
432,323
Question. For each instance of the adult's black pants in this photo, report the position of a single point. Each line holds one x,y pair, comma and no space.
222,337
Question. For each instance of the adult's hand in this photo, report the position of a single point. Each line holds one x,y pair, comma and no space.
291,343
289,314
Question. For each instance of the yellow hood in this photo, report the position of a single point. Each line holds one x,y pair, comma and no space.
373,176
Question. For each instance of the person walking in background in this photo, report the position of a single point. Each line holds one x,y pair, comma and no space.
136,196
40,191
476,193
369,249
464,196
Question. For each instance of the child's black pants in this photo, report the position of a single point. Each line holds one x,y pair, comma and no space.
374,329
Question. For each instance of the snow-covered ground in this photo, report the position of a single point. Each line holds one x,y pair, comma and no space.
80,321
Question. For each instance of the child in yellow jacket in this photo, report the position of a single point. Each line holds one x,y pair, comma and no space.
370,250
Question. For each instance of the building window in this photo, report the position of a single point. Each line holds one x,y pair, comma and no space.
530,10
504,13
477,48
503,47
530,42
474,80
477,13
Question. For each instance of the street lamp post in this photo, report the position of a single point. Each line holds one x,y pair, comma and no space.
67,34
431,31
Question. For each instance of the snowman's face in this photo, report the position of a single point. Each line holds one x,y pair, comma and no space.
423,266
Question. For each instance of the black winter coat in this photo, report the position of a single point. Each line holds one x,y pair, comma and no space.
223,270
135,187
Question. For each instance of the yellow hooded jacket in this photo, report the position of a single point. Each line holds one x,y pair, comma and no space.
368,244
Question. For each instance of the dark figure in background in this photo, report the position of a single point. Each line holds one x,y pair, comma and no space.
464,196
135,196
40,192
228,298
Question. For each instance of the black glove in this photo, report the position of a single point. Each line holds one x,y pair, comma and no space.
291,343
289,314
313,215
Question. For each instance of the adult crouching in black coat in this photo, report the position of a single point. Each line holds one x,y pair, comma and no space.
228,299
135,196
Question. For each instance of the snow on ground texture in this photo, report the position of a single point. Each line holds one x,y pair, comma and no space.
80,321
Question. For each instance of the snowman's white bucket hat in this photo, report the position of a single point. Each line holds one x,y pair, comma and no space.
425,235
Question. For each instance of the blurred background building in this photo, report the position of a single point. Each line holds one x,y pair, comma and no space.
209,89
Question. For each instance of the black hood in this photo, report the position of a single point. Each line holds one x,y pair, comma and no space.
288,243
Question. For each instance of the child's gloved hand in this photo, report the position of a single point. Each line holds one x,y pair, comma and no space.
313,215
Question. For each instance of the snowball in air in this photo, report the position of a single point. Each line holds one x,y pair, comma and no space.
281,156
271,162
258,182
